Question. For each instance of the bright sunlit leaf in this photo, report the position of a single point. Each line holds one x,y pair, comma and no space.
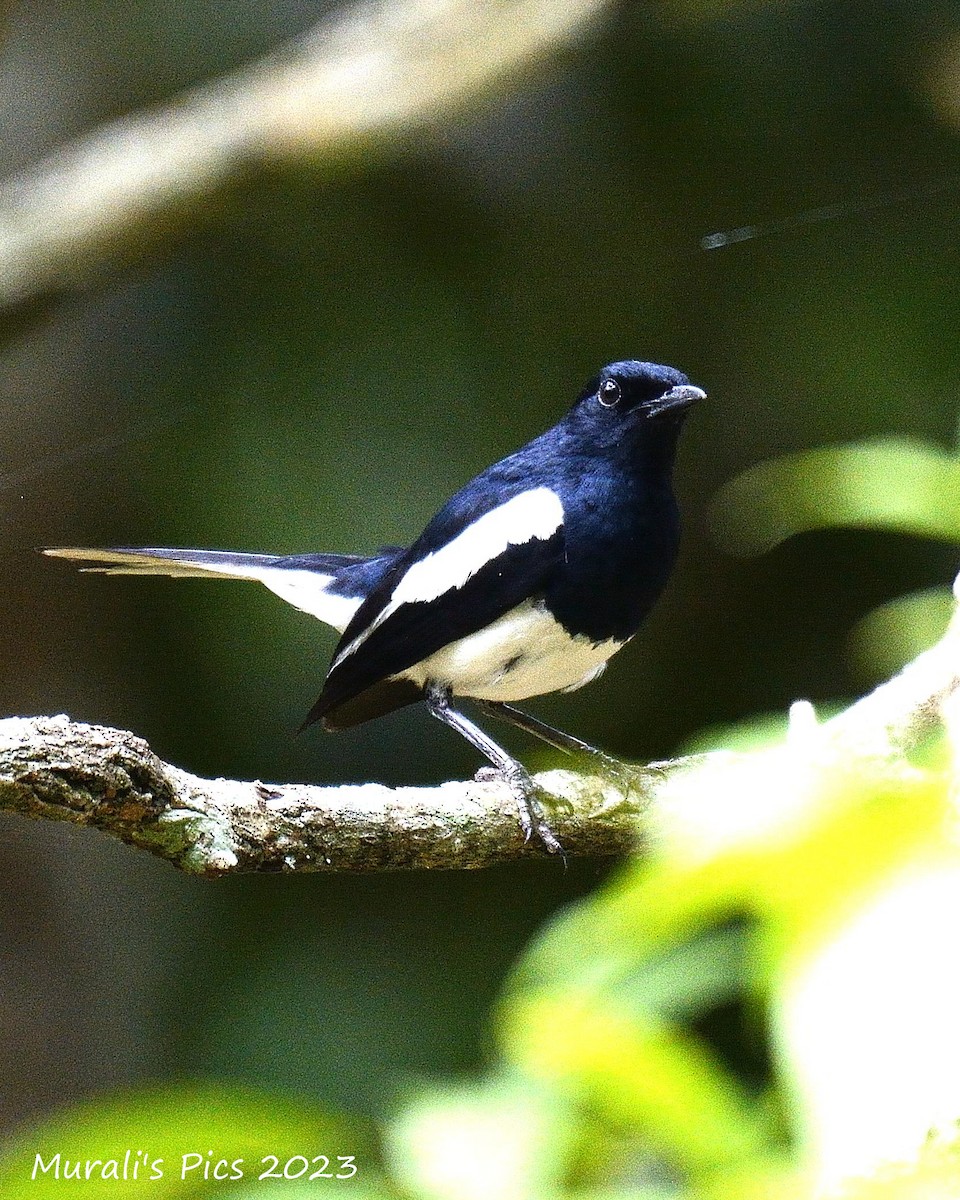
500,1139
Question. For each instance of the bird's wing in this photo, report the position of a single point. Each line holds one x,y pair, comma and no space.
463,573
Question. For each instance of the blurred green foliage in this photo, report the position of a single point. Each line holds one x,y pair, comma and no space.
898,485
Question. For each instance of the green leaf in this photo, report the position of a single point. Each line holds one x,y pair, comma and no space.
897,632
900,484
657,1080
595,1011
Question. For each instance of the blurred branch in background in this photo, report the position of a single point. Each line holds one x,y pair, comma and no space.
368,72
56,769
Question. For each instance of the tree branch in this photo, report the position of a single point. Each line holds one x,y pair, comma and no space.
372,70
56,769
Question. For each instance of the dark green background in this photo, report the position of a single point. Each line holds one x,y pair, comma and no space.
321,365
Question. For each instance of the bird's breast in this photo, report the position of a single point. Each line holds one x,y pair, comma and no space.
526,652
618,554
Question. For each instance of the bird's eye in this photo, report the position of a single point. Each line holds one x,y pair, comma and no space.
609,393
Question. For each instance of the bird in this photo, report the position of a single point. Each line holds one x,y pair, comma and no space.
525,582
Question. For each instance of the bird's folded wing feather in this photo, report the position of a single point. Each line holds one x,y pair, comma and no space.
445,588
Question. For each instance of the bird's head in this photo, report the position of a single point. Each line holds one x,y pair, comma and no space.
641,394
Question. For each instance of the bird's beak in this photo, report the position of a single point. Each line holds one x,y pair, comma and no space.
678,397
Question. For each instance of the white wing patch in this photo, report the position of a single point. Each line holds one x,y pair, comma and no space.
536,514
530,516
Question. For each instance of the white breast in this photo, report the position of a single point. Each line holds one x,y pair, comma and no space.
523,653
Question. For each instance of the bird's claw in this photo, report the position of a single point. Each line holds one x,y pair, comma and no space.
673,766
530,811
265,791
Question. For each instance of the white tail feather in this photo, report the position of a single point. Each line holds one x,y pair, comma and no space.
303,588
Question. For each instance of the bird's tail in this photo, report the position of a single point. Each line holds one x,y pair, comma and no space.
328,586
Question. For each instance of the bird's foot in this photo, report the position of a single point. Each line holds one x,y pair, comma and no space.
641,777
265,791
526,795
673,766
530,811
622,775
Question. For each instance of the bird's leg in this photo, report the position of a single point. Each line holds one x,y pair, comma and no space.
514,773
537,728
606,764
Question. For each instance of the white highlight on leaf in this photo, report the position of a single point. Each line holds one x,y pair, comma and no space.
531,516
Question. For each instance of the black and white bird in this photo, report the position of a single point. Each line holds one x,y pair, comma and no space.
526,581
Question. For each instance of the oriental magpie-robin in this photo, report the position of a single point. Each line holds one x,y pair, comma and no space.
526,582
